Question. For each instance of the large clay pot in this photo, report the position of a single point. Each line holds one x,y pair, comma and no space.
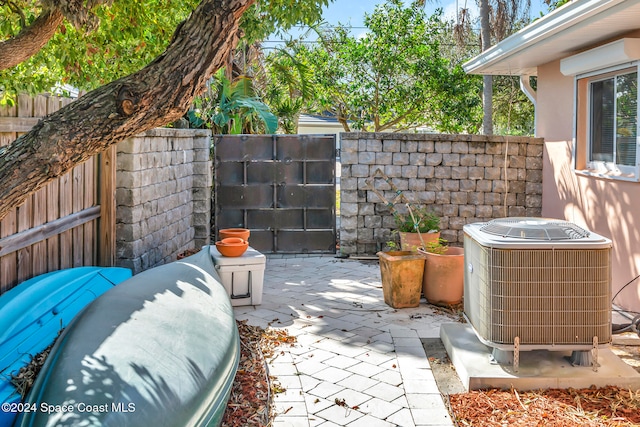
411,241
401,273
443,280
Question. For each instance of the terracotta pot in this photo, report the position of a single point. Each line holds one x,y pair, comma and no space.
443,280
232,246
233,240
401,273
411,241
243,233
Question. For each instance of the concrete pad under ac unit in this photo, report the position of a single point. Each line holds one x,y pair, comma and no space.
539,369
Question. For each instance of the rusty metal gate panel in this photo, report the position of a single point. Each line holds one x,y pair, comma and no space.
281,187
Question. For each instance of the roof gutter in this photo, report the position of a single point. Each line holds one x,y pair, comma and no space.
525,86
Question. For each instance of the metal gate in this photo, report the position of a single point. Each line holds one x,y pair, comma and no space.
281,187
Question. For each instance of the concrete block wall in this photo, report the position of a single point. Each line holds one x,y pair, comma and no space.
163,196
459,177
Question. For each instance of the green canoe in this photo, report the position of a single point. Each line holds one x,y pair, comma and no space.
159,349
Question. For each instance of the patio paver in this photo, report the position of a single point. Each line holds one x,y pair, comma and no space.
356,362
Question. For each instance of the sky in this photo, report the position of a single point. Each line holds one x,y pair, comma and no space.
351,12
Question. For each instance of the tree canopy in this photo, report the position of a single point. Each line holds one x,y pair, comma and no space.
144,62
232,107
158,93
97,41
285,84
392,77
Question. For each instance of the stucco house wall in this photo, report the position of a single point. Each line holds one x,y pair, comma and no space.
583,184
609,207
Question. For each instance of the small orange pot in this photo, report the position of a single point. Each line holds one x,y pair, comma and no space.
232,246
243,233
233,241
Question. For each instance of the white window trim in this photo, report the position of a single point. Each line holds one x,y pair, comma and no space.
600,169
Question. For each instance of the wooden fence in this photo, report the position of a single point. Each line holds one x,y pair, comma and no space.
70,222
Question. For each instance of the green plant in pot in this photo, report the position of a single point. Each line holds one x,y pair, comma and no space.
418,226
443,278
438,247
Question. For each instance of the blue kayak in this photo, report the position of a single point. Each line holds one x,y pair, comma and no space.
33,313
160,349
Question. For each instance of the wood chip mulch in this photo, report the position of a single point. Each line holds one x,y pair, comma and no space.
251,400
608,406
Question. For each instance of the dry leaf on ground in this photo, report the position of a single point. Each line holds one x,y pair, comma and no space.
251,400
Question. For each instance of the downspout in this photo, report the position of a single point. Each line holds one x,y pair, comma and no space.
525,86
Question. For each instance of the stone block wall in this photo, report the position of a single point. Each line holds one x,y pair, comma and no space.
462,178
163,196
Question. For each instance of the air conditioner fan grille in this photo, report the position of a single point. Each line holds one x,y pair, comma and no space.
534,229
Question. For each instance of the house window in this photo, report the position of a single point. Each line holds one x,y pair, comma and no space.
607,123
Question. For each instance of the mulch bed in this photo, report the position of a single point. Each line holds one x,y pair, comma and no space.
251,400
608,406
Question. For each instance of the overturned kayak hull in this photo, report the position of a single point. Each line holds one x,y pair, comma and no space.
33,313
160,349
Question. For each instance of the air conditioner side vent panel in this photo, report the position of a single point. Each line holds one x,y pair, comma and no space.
545,296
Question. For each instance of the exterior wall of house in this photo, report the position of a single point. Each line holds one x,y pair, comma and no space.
313,126
313,129
607,206
163,196
461,178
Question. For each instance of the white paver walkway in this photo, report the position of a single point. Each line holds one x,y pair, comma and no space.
357,362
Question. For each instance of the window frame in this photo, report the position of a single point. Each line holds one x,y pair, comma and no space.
582,143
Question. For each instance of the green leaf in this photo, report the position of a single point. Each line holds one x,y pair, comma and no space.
131,34
394,77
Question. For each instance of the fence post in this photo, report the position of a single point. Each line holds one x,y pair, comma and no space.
107,193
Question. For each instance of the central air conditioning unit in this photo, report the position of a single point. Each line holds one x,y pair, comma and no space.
537,283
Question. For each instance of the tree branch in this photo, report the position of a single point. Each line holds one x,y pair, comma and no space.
30,39
158,94
395,121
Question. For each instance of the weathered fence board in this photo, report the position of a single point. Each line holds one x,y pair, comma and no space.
59,226
107,228
40,233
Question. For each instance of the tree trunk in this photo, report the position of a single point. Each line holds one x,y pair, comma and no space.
487,105
487,89
30,40
342,120
158,94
